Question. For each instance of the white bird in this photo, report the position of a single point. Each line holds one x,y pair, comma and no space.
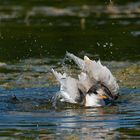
95,85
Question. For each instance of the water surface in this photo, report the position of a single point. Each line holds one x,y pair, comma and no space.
34,37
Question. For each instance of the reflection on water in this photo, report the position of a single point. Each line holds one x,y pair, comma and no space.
35,35
69,123
27,112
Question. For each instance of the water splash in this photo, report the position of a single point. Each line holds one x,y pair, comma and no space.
66,68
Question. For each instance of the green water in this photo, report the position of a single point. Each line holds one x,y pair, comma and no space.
40,29
34,37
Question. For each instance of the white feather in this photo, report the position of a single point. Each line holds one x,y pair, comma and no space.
68,88
95,70
85,82
94,101
77,60
101,73
92,72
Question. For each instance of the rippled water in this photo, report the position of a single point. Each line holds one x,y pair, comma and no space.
27,110
34,37
30,117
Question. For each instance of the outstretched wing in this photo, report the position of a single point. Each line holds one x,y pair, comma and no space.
69,87
96,72
101,73
85,82
77,60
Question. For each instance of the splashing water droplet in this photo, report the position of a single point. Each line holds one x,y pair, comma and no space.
98,44
63,63
111,44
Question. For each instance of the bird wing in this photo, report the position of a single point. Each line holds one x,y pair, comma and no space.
95,71
101,73
68,88
77,60
85,83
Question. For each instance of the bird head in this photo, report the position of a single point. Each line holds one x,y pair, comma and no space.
103,93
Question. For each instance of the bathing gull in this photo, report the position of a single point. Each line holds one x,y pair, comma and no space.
94,87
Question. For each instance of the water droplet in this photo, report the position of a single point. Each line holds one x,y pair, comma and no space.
50,24
111,44
98,44
30,50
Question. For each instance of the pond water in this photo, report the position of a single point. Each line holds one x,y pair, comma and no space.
34,37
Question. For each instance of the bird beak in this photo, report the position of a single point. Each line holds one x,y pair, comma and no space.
103,97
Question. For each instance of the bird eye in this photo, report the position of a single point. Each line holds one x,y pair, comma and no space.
95,92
